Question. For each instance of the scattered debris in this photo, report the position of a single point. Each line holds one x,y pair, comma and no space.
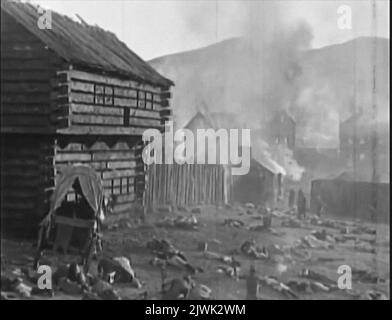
70,287
165,209
250,205
200,292
196,210
178,289
181,222
292,223
183,209
366,276
375,295
23,289
234,223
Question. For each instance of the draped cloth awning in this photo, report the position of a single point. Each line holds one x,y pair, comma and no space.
90,185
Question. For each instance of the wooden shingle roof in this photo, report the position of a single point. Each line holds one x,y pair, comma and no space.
85,45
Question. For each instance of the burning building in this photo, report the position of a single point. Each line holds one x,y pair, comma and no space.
263,184
281,129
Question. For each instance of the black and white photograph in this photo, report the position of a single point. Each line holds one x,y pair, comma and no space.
195,150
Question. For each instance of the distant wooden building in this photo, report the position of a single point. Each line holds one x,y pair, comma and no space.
350,196
281,129
365,146
71,94
263,184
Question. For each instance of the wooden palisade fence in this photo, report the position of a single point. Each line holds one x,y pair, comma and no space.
184,185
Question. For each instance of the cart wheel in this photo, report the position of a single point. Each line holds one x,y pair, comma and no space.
40,244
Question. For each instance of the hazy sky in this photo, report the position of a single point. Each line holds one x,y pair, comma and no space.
153,28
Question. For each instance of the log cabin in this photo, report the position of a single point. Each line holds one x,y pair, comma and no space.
70,94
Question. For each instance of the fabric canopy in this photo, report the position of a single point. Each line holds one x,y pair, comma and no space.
90,183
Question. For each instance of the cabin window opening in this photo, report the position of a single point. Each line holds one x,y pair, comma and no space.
142,102
149,100
99,94
126,117
108,95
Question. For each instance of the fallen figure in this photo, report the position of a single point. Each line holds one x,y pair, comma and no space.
251,249
364,247
307,286
230,271
185,289
164,247
320,278
167,254
117,269
275,284
230,260
177,262
310,241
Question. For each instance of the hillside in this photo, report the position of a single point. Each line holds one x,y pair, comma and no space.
321,86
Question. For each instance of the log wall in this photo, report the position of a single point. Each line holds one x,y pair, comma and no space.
97,104
26,175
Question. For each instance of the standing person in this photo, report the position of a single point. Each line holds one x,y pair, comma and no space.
321,207
301,204
291,198
252,284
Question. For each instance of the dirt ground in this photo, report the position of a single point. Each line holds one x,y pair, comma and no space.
130,240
